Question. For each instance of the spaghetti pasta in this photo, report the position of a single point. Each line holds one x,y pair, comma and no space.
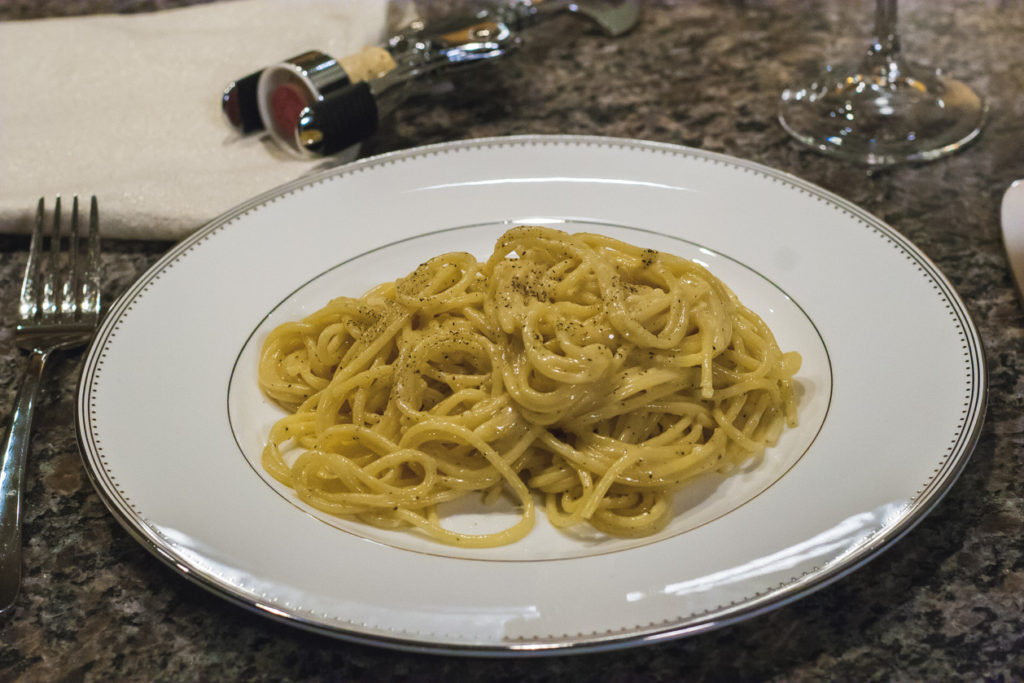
593,374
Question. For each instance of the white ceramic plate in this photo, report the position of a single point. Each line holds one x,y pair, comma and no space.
892,398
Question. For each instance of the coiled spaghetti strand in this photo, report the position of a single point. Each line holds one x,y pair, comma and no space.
600,375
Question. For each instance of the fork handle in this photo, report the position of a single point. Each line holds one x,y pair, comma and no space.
12,475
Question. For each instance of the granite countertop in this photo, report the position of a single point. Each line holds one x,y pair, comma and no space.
946,601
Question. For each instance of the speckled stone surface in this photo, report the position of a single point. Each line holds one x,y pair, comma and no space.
946,602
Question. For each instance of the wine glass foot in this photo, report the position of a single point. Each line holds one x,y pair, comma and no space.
885,115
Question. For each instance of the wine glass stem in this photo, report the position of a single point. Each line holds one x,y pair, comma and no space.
884,53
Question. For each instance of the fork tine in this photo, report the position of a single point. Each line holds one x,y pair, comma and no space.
69,301
49,303
91,274
28,308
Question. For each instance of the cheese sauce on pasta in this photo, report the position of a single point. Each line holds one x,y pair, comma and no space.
575,372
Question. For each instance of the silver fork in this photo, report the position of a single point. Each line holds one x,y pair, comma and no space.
59,309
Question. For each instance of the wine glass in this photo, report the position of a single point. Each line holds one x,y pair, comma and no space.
885,111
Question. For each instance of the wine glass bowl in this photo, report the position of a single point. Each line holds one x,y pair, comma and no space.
884,110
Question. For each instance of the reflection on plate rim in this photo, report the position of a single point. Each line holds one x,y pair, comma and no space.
918,507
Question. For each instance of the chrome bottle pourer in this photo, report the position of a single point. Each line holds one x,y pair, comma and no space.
315,105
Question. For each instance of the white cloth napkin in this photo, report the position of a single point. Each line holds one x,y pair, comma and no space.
127,107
